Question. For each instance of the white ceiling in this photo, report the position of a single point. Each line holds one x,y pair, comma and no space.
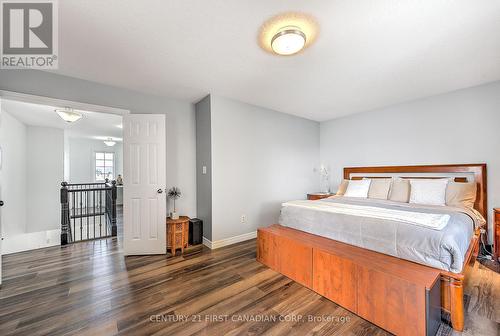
93,125
368,54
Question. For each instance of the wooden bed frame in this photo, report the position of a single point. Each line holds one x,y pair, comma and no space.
452,300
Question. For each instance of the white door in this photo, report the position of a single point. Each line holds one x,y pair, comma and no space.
144,173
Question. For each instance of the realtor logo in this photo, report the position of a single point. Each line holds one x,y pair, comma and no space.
29,34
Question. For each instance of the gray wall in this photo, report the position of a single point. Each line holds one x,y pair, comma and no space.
180,116
260,158
458,127
204,158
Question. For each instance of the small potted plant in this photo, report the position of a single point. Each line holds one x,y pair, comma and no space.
174,193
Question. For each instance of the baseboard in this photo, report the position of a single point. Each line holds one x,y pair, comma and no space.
31,241
207,243
229,241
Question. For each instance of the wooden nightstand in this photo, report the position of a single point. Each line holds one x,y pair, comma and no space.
496,233
177,234
318,196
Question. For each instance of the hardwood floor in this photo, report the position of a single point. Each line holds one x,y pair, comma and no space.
90,288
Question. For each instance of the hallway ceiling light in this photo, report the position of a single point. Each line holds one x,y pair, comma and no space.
68,114
109,142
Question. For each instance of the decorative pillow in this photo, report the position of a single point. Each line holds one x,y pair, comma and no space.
379,188
428,191
400,190
342,187
461,194
358,188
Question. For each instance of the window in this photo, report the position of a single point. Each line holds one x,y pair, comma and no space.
104,166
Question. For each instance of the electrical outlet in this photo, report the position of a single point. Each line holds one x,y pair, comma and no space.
243,219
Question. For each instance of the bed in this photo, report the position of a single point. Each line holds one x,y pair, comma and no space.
389,227
451,248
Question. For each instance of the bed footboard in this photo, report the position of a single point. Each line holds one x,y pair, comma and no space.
343,273
375,286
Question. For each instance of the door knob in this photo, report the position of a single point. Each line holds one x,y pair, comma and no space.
159,191
1,203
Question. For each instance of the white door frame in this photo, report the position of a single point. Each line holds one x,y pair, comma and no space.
34,99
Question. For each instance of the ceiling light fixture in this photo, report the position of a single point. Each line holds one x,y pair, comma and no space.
288,41
109,142
68,114
288,33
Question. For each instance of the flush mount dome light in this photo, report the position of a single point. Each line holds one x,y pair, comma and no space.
288,33
68,114
109,142
288,41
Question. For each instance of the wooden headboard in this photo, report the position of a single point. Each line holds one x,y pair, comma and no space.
460,172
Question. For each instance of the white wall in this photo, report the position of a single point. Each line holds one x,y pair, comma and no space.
13,175
82,156
66,156
45,172
458,127
260,158
180,119
30,178
31,241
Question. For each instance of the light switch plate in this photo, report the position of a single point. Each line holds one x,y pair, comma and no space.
204,170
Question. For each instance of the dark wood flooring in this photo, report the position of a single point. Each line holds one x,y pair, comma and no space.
90,288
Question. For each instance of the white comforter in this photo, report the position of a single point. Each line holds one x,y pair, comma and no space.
435,221
437,236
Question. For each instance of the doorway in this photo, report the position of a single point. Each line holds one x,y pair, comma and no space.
133,144
41,150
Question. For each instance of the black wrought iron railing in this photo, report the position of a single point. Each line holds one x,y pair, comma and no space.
88,211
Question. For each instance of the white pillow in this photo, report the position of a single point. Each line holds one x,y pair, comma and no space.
379,188
428,191
358,188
